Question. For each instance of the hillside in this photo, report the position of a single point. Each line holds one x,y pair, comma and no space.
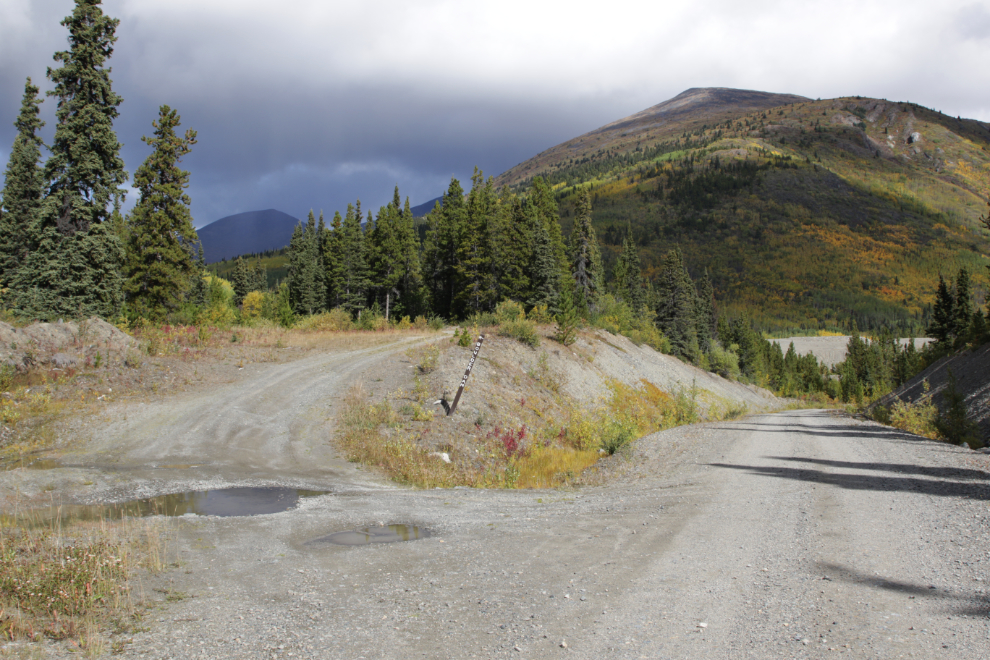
807,214
245,233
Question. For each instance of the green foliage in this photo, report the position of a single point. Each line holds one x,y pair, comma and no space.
953,424
73,268
306,275
23,188
676,307
586,259
617,435
160,235
567,320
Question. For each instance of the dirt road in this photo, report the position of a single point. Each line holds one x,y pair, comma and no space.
774,536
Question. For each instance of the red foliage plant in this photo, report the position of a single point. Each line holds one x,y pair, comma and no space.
512,440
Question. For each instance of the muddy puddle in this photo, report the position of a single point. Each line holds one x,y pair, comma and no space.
374,534
219,502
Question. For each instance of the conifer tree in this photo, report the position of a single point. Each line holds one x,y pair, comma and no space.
23,188
941,327
676,306
294,275
74,268
627,278
447,222
477,284
353,280
586,259
333,261
198,284
962,309
706,313
160,234
546,207
307,284
259,278
241,281
385,254
411,283
544,274
516,260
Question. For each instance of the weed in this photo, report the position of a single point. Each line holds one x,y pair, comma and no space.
520,329
7,373
430,357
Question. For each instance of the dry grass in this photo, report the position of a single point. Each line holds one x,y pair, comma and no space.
75,582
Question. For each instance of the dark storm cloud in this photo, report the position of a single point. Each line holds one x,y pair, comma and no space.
312,104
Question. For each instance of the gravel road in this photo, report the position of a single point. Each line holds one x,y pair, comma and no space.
802,534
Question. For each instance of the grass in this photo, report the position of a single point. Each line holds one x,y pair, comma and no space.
75,582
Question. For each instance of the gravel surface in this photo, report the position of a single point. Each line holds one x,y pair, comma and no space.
829,350
802,534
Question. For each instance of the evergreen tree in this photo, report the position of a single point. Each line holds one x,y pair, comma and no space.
586,259
544,275
706,313
259,279
516,232
333,261
477,284
23,189
962,309
447,222
294,270
627,277
198,284
677,307
545,204
385,254
411,282
353,282
943,312
75,266
307,284
241,281
160,234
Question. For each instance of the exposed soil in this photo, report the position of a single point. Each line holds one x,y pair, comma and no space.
829,350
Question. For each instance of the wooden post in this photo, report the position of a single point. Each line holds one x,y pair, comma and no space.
467,372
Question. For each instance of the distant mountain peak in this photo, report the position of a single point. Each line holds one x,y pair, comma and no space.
246,233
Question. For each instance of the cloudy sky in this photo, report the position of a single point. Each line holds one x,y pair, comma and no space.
306,104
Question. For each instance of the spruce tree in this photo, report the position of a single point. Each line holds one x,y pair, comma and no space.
333,261
677,306
385,254
447,223
23,188
516,233
197,285
307,284
74,268
160,234
353,282
545,203
628,278
476,281
241,281
544,274
941,327
411,282
707,315
586,259
962,309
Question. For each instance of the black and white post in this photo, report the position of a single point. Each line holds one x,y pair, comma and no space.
467,372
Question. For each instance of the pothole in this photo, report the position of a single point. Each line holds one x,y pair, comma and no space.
375,534
220,502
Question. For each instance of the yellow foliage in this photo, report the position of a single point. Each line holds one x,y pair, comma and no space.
253,301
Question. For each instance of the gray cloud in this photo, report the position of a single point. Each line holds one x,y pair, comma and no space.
312,104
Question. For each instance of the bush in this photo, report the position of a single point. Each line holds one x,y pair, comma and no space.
567,320
509,310
336,320
540,315
616,436
724,362
483,319
252,305
521,330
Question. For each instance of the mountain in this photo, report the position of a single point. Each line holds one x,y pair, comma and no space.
806,214
425,207
245,233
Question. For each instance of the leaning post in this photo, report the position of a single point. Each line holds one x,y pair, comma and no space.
467,372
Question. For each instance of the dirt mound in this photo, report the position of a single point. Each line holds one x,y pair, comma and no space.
61,344
972,372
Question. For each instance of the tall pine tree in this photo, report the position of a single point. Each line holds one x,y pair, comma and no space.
586,258
23,189
160,234
74,269
677,306
447,223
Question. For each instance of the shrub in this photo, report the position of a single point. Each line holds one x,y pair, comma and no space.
540,315
509,310
567,320
724,362
617,435
435,323
483,319
336,320
404,323
521,330
252,305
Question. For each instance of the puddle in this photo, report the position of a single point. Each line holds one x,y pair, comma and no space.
33,464
220,502
369,535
